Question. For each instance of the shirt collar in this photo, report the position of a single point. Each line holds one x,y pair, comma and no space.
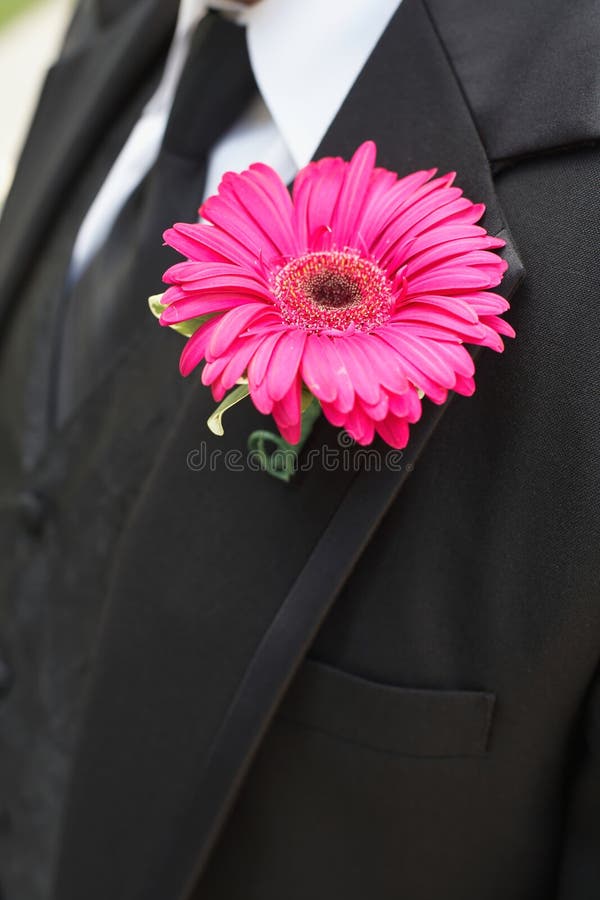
306,56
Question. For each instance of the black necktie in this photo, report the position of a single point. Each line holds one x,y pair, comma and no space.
107,306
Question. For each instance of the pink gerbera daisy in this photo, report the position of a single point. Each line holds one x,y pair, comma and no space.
361,288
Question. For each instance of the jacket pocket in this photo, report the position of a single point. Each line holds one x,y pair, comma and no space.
386,718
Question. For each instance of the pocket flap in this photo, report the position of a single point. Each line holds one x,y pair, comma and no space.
401,720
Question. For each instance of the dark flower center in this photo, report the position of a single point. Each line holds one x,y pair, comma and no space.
332,290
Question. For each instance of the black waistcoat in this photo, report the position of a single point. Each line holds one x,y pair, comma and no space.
433,743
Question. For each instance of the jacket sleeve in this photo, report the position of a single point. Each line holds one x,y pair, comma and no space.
579,873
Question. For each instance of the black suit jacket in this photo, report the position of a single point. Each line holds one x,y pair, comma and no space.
361,684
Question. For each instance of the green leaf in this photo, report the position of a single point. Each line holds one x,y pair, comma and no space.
215,422
310,413
306,399
156,305
186,328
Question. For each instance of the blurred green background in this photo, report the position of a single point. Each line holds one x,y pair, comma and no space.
10,8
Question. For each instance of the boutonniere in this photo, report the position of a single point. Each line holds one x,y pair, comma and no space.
355,294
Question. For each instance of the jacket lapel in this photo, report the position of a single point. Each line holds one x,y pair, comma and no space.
225,575
81,97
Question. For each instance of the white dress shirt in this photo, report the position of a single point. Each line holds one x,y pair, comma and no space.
305,55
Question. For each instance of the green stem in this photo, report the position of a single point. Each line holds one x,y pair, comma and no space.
282,461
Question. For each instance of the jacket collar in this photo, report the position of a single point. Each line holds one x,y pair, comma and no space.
514,59
204,631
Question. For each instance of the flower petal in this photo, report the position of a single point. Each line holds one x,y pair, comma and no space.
386,364
333,414
257,195
377,411
287,413
456,250
406,406
285,362
238,356
458,357
359,368
414,315
204,242
394,431
345,395
487,303
195,346
444,234
230,216
407,224
432,196
202,304
461,211
347,219
213,370
380,210
501,326
322,199
316,373
359,425
419,371
451,303
231,325
257,368
464,385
